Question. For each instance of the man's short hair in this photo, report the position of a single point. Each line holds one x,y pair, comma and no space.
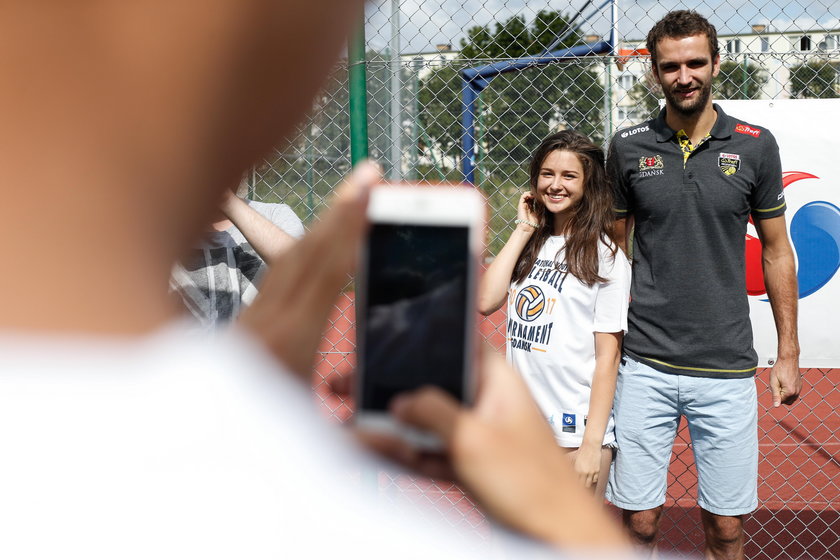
679,24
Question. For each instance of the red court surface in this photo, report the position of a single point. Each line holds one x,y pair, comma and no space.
799,465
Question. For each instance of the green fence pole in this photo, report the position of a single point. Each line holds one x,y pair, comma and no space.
358,95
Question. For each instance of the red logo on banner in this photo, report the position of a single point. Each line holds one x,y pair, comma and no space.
744,129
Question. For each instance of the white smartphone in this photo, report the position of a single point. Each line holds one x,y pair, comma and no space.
415,300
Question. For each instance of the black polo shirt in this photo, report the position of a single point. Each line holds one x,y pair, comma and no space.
689,312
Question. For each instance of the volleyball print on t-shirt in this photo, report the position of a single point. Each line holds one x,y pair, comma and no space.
530,303
530,322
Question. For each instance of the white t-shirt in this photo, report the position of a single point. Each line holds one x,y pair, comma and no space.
174,447
552,317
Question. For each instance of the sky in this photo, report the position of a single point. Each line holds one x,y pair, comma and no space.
425,23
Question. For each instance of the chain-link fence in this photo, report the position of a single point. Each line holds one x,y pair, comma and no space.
416,52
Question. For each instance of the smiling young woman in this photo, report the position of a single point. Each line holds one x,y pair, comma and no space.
566,285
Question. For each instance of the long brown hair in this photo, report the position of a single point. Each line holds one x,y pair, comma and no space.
592,218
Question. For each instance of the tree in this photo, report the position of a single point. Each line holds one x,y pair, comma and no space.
814,79
518,109
524,107
739,80
478,43
440,95
512,37
548,26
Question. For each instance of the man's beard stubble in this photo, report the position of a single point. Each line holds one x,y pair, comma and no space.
690,108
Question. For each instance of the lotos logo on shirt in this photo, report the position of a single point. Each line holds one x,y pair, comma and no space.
633,131
744,129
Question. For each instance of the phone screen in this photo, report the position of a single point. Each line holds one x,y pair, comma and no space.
414,321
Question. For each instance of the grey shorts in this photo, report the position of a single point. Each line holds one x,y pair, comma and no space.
722,417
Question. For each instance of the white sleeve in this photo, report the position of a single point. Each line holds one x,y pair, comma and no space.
613,296
285,218
281,215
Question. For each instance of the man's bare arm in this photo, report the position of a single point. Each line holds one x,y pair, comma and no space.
267,239
780,280
623,234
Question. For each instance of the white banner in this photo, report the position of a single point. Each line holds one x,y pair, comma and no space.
807,132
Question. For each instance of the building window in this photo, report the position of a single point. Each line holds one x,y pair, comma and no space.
830,43
805,43
626,81
733,46
765,44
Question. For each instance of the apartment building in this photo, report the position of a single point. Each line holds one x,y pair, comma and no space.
769,52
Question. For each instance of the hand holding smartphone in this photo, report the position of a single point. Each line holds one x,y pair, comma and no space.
416,299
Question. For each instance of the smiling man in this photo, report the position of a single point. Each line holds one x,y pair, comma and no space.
689,181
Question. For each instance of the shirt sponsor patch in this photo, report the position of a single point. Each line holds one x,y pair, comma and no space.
651,165
729,163
569,423
744,129
636,130
651,162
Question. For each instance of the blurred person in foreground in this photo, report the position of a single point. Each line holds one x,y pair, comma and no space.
122,435
221,276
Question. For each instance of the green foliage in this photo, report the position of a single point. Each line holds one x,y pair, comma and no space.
739,80
518,109
512,37
478,43
549,25
814,79
440,102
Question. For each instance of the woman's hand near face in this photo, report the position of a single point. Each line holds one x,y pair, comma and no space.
525,210
493,289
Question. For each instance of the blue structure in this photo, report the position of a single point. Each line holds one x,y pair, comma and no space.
476,79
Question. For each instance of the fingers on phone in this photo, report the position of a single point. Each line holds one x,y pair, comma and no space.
356,186
430,409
